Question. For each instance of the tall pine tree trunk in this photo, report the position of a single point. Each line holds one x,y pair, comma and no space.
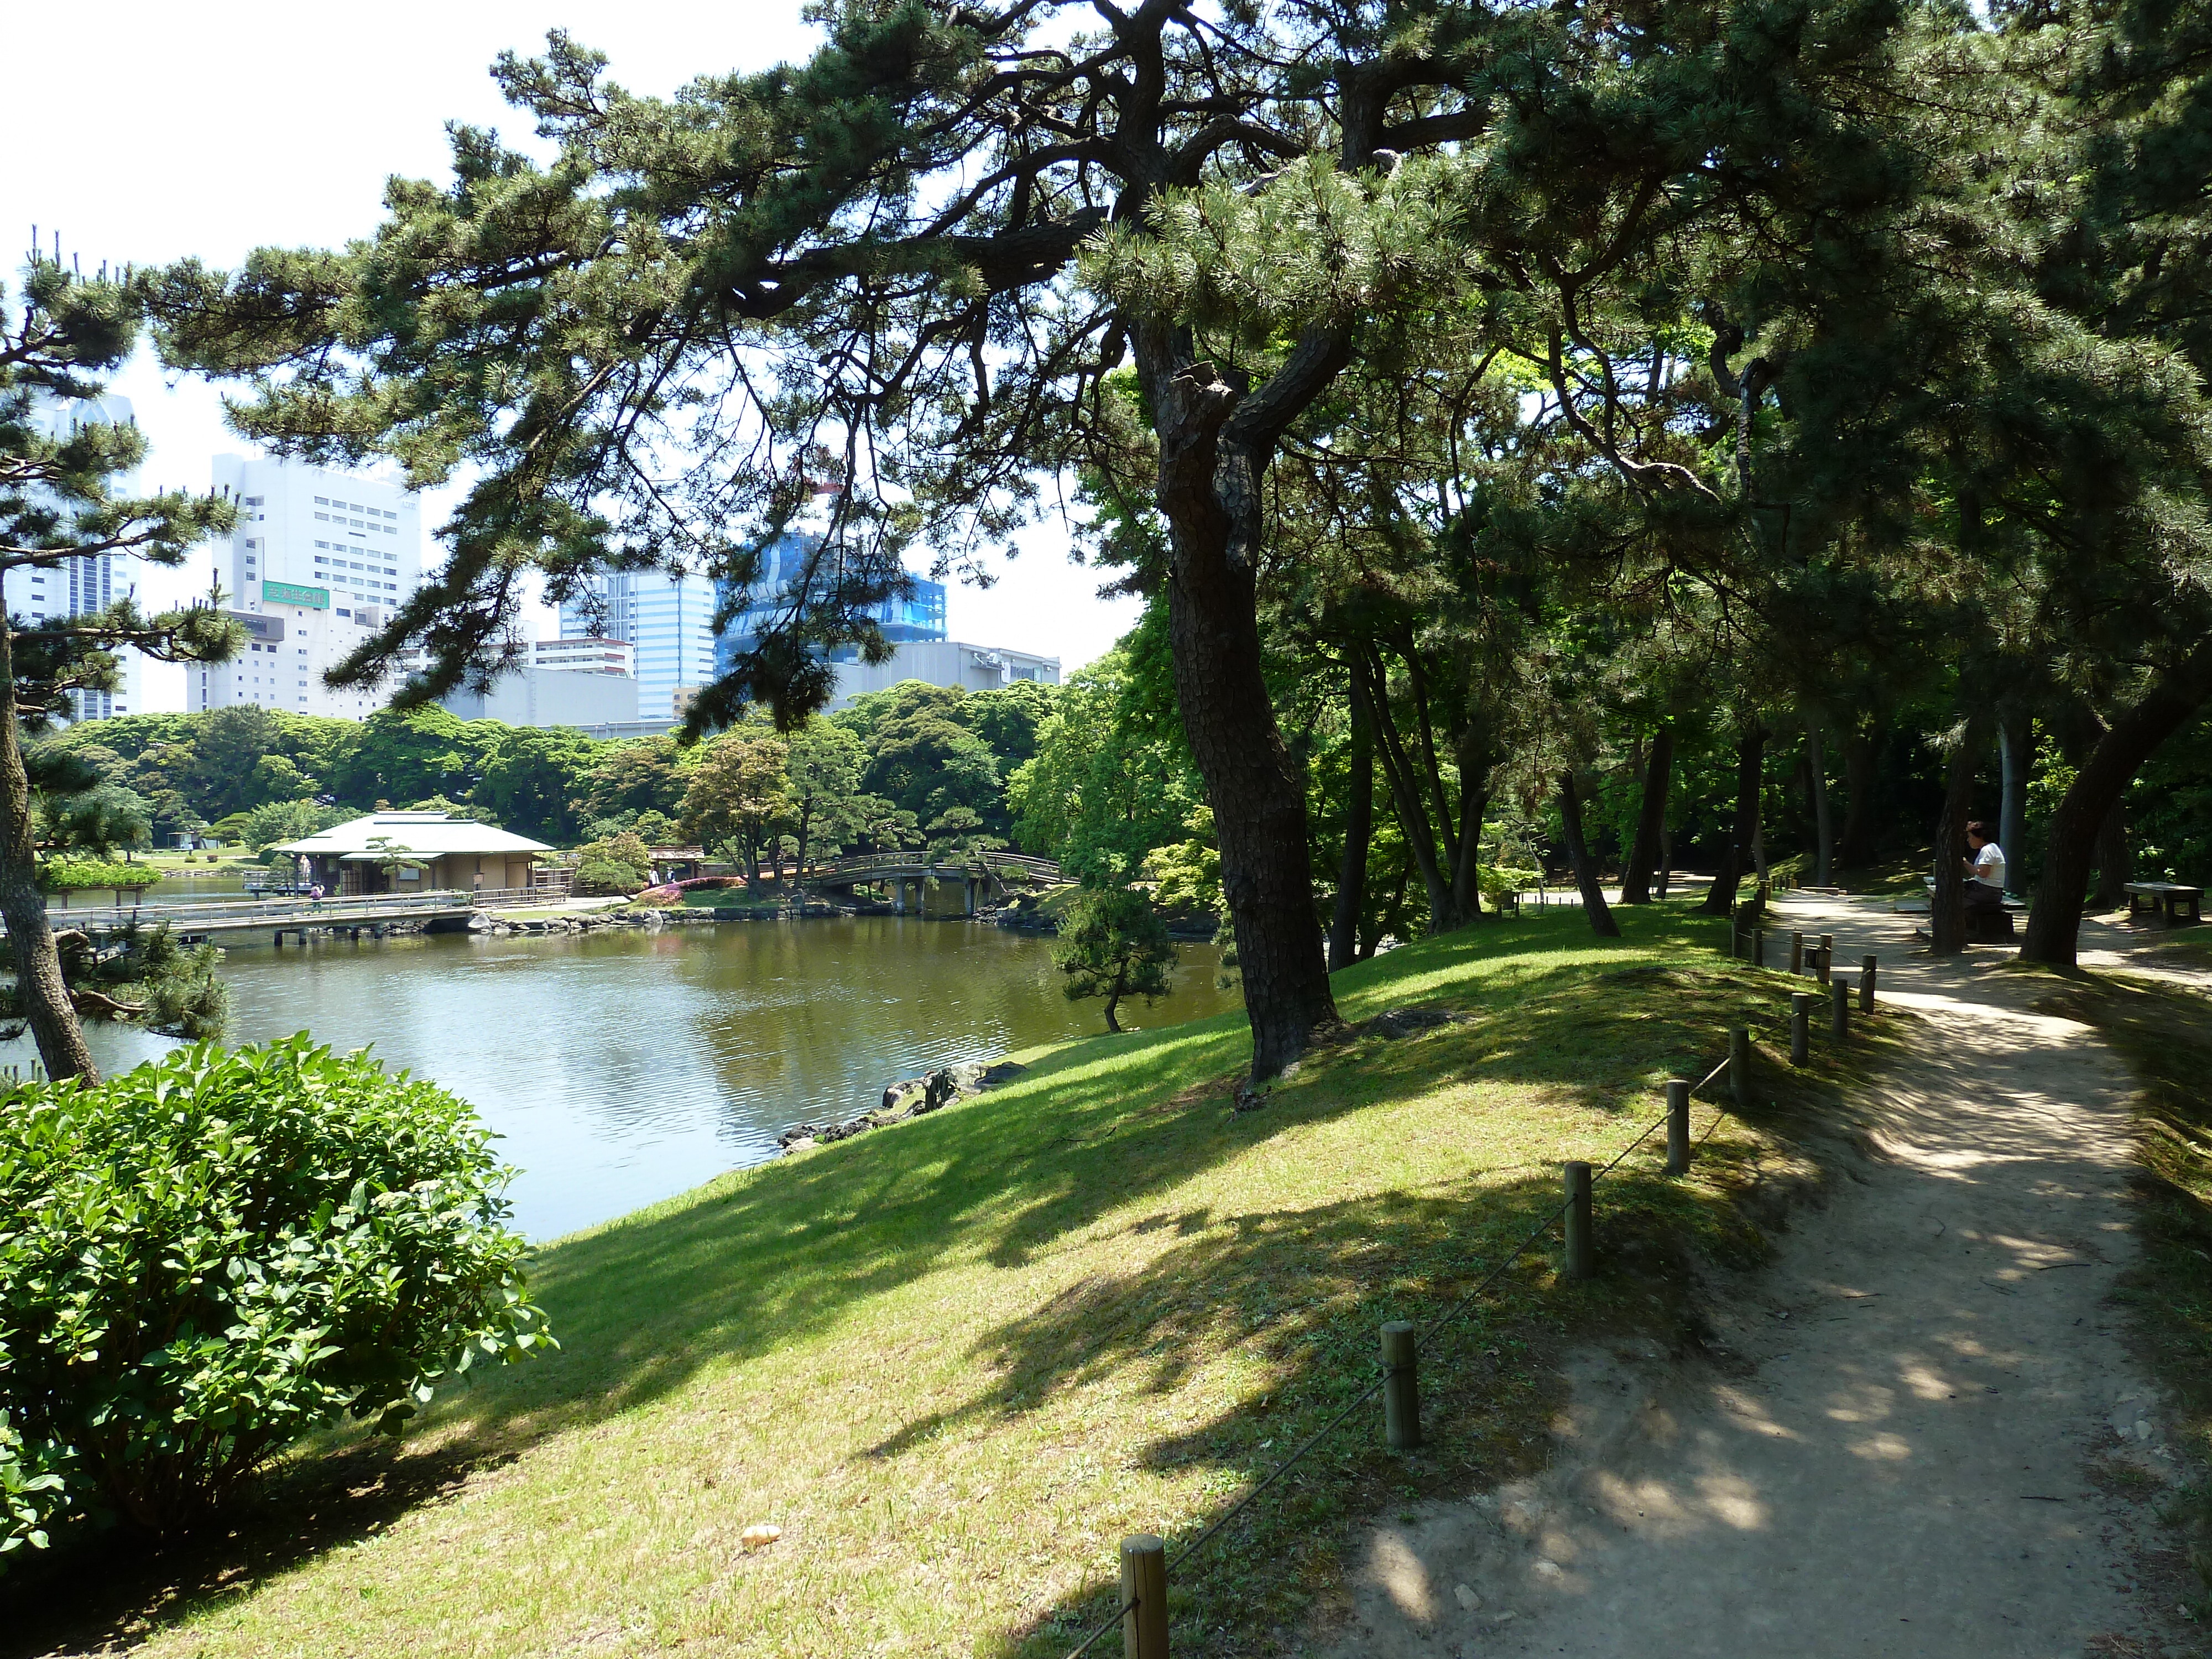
1854,847
1750,775
2054,918
1409,798
1645,851
42,992
1946,906
1824,827
1594,905
1215,442
1359,833
1476,757
2113,870
2015,754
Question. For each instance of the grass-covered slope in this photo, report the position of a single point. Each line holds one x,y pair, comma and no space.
957,1361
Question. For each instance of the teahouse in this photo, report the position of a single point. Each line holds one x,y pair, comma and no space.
416,853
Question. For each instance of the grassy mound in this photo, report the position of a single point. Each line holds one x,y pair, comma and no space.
956,1362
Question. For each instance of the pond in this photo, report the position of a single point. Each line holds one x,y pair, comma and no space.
622,1066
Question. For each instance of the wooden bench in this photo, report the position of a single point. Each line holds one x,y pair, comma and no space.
2165,898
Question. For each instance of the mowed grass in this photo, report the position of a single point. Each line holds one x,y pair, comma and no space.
957,1361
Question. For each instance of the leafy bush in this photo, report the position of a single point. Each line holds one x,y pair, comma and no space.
603,877
621,864
1497,880
212,1254
75,876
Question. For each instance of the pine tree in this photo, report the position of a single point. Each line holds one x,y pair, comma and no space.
62,495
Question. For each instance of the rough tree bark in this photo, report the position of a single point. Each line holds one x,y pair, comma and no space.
1359,833
2015,752
1750,773
39,987
1644,853
1946,906
1594,905
1475,756
1408,797
1854,847
1215,443
2054,918
2114,867
1824,824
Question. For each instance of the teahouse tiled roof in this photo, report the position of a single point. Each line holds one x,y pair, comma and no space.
426,834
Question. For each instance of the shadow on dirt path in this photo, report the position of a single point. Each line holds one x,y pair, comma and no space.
1918,1431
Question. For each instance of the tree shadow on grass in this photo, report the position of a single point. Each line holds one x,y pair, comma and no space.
111,1595
765,1258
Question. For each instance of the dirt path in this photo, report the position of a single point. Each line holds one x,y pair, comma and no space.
1923,1434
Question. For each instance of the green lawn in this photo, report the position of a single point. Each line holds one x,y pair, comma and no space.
957,1361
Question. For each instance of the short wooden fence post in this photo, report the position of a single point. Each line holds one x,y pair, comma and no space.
1801,1027
1401,1388
1678,1126
1580,1258
1797,953
1740,1065
1866,985
1827,956
1144,1598
1759,947
1840,1012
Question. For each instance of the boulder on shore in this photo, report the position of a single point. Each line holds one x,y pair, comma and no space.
904,1100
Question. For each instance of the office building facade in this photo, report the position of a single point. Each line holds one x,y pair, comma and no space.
323,558
667,621
83,585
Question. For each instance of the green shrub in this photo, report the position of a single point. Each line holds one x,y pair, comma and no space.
1497,880
75,876
212,1254
605,877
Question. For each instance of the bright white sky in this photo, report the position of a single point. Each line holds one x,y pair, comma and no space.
155,132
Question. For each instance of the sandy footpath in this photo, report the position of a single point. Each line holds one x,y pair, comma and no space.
1918,1431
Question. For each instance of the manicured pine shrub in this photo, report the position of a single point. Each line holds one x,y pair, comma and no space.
206,1257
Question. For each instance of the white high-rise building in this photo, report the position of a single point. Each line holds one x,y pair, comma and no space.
80,587
321,558
669,620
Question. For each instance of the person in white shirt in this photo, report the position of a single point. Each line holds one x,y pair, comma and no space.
1983,868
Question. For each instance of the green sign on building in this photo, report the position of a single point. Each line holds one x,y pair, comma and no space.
288,593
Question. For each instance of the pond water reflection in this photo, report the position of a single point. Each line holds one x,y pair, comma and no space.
622,1066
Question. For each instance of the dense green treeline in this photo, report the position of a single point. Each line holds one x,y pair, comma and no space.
917,764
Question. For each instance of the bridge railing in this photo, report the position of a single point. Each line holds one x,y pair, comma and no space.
971,863
187,916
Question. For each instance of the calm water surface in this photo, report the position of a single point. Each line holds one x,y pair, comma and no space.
623,1066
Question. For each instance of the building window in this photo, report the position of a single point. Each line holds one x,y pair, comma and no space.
322,501
322,515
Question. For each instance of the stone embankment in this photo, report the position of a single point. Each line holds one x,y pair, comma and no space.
905,1100
589,922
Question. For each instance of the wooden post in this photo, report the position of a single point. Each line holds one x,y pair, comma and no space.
280,939
1827,956
1740,1065
1678,1126
1401,1390
1840,1012
1801,1027
1797,953
1759,947
1144,1594
1580,1263
1866,985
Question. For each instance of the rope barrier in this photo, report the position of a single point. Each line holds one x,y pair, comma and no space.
1439,1322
